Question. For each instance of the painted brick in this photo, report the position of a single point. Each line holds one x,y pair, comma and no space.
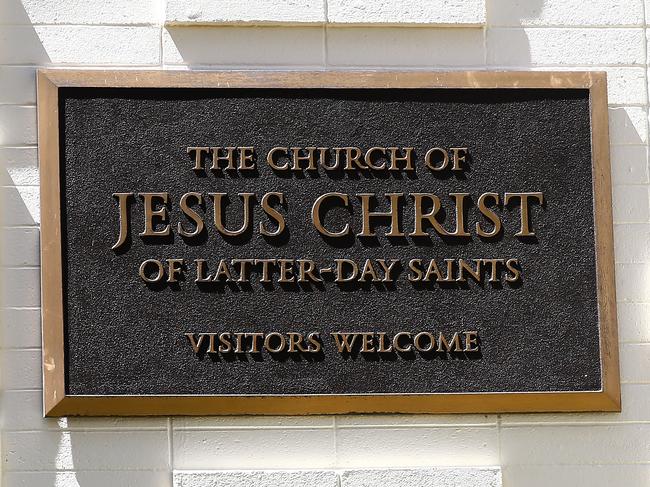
258,478
571,445
79,12
574,475
633,322
21,369
85,450
629,164
74,44
418,446
428,12
201,12
21,328
392,47
21,287
23,411
18,84
20,205
19,247
247,449
635,363
17,125
425,477
566,13
89,478
552,46
633,282
243,46
630,204
628,126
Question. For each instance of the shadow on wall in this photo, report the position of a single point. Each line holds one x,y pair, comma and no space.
513,15
20,43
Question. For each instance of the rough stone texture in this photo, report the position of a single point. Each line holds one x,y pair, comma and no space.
258,478
425,477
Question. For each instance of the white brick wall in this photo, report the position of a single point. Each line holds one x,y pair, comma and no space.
604,449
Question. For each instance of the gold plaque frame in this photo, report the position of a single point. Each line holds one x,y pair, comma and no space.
57,403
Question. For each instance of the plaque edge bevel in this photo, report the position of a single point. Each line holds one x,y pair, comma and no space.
55,401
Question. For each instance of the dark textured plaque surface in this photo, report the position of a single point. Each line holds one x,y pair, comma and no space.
123,337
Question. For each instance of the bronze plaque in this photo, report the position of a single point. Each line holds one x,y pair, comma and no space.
309,243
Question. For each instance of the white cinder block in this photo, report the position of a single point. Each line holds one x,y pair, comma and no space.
23,410
630,204
566,13
249,449
17,125
21,369
416,420
73,44
635,363
429,477
198,12
243,46
633,322
18,166
428,12
21,287
631,242
85,450
574,475
19,247
575,445
628,125
636,408
21,328
18,84
444,446
629,164
36,12
626,86
262,422
258,478
111,478
551,46
20,205
417,47
633,282
21,45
